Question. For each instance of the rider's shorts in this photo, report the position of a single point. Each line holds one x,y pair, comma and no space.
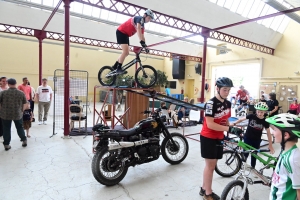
122,38
211,148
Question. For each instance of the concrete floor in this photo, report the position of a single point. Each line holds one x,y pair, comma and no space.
56,168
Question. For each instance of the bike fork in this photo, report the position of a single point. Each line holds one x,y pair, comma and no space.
245,181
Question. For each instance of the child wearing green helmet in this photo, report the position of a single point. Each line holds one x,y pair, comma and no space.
255,128
286,176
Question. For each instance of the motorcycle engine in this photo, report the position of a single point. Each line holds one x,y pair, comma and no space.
148,152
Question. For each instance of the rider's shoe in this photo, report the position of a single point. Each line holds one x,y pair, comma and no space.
202,191
211,196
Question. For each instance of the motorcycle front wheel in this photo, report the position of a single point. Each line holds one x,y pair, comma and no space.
234,191
106,169
170,154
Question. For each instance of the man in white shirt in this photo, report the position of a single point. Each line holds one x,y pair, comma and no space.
44,97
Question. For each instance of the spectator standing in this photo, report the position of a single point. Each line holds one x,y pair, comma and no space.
26,89
27,118
12,103
262,93
44,97
32,102
3,87
273,104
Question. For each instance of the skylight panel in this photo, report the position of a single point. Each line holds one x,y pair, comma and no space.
221,2
228,4
37,1
283,24
267,22
241,7
104,14
213,1
121,18
96,12
276,22
235,5
112,16
48,3
263,12
87,10
76,7
247,9
256,10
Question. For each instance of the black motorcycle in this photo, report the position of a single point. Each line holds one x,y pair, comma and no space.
116,150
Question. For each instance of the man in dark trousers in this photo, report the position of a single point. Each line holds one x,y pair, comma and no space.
12,102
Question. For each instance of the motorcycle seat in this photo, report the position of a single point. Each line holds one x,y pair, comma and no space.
128,132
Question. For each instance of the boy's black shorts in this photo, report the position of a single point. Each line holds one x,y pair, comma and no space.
211,148
122,38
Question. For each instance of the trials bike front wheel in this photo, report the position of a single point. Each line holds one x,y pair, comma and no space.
106,76
234,190
146,77
174,155
106,168
229,165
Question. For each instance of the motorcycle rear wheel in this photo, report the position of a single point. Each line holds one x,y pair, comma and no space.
102,168
167,149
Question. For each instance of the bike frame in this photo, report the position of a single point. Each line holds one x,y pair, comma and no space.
128,65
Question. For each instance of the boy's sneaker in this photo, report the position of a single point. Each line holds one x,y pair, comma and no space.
45,122
7,147
40,122
202,191
211,196
24,143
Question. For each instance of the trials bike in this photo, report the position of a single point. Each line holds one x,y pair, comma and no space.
145,75
117,150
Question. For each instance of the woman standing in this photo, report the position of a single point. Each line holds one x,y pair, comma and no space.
272,104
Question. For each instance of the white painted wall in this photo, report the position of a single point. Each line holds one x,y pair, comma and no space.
35,18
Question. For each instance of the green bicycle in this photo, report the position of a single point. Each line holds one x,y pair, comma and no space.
234,162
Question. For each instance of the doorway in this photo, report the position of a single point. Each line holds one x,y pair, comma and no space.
190,88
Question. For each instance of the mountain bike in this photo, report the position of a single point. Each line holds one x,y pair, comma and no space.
238,188
233,158
145,75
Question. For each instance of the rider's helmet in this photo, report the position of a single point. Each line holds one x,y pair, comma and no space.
261,106
241,87
224,82
149,12
286,123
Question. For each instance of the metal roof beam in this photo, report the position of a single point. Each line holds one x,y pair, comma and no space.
5,28
129,9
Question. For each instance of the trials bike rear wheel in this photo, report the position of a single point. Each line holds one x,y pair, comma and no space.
170,154
104,76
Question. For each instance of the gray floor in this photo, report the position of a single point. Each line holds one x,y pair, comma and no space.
56,168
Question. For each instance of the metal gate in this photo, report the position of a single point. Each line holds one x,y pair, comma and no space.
78,94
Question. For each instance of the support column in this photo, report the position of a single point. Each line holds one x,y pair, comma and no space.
67,67
40,35
205,35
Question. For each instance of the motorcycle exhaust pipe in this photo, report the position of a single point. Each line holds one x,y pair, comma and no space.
120,145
